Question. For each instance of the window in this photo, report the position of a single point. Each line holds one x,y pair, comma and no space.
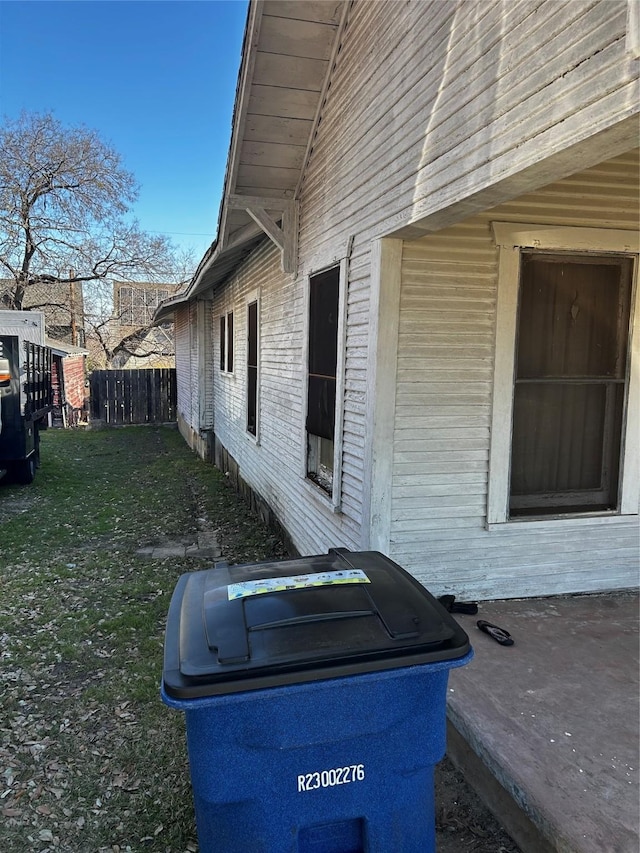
324,298
569,384
125,307
564,407
252,367
226,342
137,304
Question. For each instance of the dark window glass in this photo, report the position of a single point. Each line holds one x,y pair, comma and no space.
573,323
230,342
252,367
323,348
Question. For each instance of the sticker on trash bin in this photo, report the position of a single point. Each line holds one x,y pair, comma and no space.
259,587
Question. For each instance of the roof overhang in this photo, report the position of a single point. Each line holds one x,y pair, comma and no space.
287,56
63,349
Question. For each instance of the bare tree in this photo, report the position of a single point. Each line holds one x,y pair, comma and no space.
65,200
120,329
116,335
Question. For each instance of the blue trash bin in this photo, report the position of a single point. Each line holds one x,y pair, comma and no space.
314,693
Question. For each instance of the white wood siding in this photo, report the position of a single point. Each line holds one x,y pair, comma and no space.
182,337
194,408
443,410
434,109
274,466
431,103
423,108
205,364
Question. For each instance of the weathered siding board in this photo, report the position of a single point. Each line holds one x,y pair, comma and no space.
274,467
276,457
183,363
194,408
442,565
419,136
426,109
205,365
461,536
606,195
386,139
441,440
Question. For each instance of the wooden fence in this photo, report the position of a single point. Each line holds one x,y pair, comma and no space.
134,396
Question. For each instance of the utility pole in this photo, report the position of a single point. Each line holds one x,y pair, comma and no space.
72,307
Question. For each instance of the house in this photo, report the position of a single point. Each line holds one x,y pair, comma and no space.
62,304
134,340
417,330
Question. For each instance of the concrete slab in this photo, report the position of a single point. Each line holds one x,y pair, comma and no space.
206,547
162,552
555,719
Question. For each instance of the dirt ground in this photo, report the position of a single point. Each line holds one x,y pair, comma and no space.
90,761
463,824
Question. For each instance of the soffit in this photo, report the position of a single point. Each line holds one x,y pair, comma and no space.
289,46
287,55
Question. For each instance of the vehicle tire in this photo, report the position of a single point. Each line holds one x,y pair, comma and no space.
24,472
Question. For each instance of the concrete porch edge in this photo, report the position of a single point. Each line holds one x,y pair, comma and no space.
546,731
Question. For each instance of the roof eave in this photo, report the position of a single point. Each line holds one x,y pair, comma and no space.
232,246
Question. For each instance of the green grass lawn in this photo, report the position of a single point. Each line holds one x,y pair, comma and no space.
90,758
91,761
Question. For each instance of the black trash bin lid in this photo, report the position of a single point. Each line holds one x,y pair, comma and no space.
235,628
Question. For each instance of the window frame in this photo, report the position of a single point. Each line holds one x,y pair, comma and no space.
138,303
226,338
546,371
511,240
333,500
253,299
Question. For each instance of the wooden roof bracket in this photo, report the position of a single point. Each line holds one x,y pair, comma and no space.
285,235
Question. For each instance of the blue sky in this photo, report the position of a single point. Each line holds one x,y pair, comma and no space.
156,80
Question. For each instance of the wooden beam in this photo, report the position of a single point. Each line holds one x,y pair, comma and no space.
290,228
243,202
285,236
270,228
382,368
